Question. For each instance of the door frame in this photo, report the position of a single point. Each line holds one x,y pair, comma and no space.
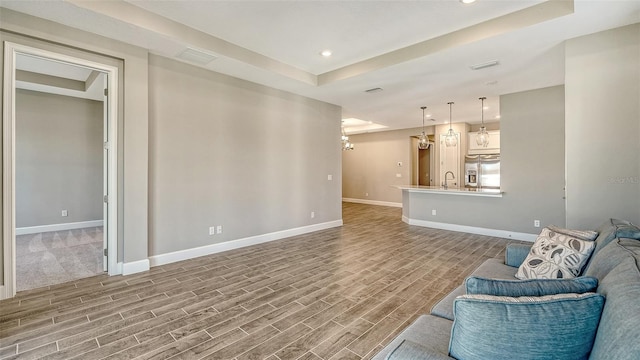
11,49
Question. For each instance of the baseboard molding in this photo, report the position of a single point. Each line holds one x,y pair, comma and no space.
58,227
135,267
2,294
239,243
372,202
472,229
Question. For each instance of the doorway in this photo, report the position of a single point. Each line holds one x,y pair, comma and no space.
59,172
422,160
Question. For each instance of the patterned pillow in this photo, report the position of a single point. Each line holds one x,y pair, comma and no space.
578,234
555,256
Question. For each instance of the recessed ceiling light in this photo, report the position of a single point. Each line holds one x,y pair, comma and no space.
326,53
467,1
497,116
485,108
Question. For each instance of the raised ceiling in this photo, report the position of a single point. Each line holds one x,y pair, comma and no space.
418,52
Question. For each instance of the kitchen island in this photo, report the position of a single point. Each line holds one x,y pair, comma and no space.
468,210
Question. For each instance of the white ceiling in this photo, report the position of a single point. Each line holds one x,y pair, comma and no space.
419,52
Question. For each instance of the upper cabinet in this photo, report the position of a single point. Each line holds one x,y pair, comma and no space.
492,148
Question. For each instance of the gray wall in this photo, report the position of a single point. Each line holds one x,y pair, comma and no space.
532,171
371,167
228,152
603,127
58,159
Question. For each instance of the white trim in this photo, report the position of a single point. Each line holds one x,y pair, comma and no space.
239,243
8,171
472,229
8,167
372,202
2,294
58,227
135,267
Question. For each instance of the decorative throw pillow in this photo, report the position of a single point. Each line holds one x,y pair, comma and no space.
589,235
548,327
533,287
555,256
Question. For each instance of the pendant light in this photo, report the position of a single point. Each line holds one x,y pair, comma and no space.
451,139
423,141
482,137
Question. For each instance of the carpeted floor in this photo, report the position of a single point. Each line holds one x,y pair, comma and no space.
50,258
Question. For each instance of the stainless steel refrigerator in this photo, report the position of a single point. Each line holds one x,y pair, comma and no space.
482,171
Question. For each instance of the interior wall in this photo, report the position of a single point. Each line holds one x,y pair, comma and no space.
59,161
531,171
372,166
602,73
228,152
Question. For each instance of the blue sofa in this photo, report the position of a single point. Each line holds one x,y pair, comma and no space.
614,262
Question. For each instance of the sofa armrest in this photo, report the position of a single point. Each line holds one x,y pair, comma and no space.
515,254
410,350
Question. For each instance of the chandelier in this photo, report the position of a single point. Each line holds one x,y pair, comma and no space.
346,145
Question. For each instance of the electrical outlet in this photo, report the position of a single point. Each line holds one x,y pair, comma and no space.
366,194
536,223
212,230
398,175
329,177
65,213
313,214
219,229
433,212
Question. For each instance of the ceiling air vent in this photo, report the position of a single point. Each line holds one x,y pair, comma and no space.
196,56
484,65
374,90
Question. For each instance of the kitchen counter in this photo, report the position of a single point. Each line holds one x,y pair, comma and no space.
451,190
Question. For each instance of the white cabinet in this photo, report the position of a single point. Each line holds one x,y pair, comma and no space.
492,148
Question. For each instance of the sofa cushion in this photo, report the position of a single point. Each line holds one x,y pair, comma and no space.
619,331
431,332
555,256
409,350
444,307
515,254
534,287
612,229
588,235
491,268
495,269
547,327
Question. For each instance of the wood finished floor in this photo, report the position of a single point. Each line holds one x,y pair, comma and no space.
341,293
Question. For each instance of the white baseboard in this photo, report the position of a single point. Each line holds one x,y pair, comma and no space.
472,229
135,267
239,243
372,202
58,227
2,294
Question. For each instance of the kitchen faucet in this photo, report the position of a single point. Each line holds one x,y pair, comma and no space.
453,177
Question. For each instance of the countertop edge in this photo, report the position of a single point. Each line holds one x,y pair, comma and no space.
451,191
